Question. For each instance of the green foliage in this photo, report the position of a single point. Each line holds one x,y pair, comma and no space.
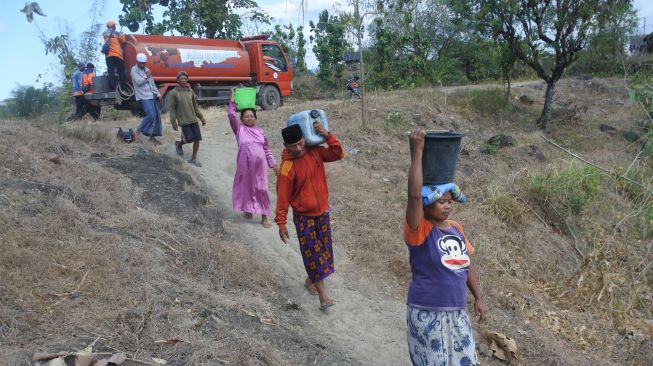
606,48
328,34
300,62
566,191
478,57
193,18
30,102
403,49
293,44
641,92
532,29
489,149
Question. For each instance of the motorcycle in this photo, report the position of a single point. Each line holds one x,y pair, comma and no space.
353,88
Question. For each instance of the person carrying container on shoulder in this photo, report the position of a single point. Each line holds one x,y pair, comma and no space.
302,184
113,41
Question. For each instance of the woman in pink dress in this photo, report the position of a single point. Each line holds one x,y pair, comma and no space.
250,190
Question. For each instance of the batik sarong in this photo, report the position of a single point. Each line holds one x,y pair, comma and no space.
440,338
314,234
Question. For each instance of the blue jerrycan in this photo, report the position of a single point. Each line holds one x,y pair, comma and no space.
305,120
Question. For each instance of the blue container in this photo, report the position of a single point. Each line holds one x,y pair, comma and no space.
305,120
440,156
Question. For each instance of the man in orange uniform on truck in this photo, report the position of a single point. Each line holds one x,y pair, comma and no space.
113,57
302,184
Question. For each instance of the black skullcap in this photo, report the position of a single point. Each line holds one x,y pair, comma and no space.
182,73
292,134
90,66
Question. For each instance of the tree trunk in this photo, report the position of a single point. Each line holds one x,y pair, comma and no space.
508,90
543,121
362,74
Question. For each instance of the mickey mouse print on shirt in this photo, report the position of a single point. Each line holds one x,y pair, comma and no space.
453,252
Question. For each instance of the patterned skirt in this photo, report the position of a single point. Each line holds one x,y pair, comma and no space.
314,234
440,338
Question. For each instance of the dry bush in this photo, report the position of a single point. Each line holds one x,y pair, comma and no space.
88,131
502,204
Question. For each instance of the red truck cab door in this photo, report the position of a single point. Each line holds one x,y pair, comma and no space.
271,66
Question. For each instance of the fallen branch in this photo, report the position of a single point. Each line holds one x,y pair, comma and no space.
575,239
73,292
167,245
597,166
533,211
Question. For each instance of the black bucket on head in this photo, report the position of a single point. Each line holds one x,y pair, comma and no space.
440,156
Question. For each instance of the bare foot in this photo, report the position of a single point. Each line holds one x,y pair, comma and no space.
248,215
155,141
265,222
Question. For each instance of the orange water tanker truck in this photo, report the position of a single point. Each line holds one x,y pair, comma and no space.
214,66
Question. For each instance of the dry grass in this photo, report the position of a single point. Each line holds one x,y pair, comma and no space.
503,205
83,256
561,309
525,261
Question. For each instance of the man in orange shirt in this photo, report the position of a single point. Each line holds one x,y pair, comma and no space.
113,57
92,108
302,184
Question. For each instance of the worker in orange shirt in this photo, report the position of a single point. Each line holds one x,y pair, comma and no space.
113,41
92,108
78,94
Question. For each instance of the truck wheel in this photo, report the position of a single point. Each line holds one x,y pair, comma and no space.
270,97
165,100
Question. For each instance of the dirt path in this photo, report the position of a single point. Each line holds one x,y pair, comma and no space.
363,325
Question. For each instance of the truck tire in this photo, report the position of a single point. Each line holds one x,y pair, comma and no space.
270,97
165,100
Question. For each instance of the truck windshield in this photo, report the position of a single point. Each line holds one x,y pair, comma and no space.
274,58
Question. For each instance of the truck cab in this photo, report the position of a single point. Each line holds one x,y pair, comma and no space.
271,70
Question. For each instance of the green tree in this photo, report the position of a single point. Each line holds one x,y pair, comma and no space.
29,102
293,44
330,44
412,42
193,18
301,51
536,29
606,48
68,52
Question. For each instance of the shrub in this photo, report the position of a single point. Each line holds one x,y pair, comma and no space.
485,102
567,190
505,206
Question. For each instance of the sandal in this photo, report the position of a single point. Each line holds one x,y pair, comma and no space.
323,307
311,289
195,162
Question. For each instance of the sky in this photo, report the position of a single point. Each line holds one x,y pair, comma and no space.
24,58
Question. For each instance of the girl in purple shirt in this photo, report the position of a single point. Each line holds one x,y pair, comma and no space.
439,328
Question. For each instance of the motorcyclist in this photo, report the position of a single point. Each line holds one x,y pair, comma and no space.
353,86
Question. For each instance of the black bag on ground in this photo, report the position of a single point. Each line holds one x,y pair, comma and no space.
126,136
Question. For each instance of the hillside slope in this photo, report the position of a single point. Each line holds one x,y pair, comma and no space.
130,245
